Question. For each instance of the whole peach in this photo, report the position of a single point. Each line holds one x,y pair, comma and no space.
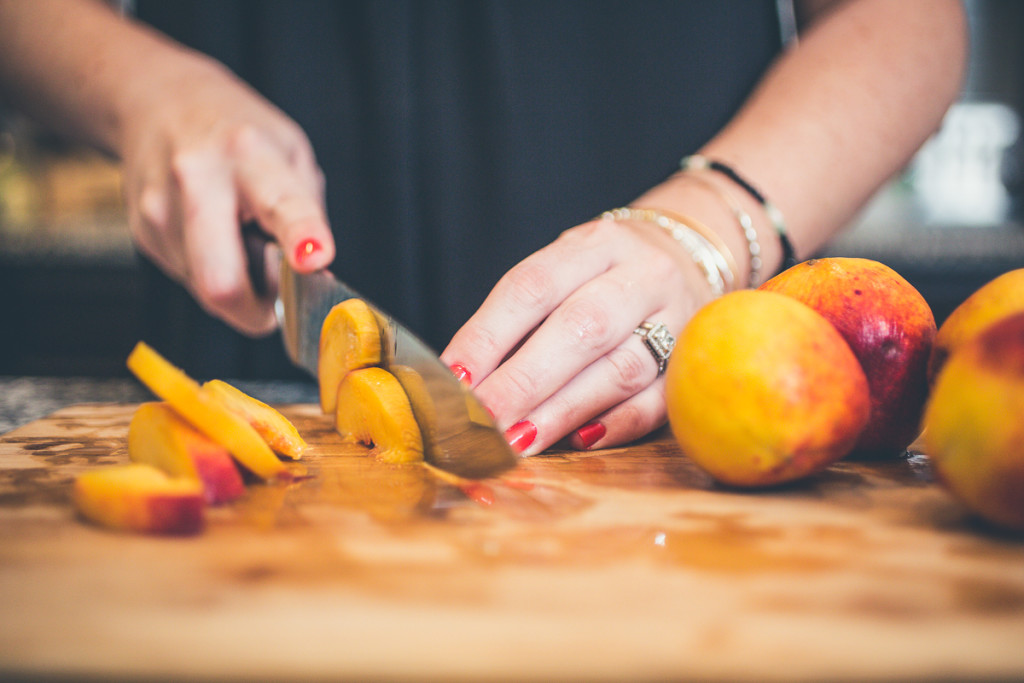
890,328
994,300
973,425
761,390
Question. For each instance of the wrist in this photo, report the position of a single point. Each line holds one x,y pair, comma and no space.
703,200
696,165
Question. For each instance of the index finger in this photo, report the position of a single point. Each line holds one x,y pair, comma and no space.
286,198
524,297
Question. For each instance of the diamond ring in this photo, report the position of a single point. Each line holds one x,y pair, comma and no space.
658,340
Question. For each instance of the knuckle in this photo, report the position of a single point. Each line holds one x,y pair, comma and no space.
631,420
588,322
243,139
186,165
290,213
633,370
299,152
481,340
518,387
153,209
584,233
218,291
292,134
662,264
530,286
568,411
276,210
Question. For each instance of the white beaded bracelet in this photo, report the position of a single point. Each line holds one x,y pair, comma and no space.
716,270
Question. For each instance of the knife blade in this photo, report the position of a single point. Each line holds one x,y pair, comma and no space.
459,435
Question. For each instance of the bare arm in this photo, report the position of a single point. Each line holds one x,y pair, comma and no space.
841,113
833,119
80,67
202,152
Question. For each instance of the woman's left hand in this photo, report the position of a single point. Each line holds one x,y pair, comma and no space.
552,350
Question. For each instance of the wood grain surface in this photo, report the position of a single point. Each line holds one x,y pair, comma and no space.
623,564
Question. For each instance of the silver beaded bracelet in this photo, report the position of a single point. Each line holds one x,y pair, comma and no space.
716,270
746,224
700,162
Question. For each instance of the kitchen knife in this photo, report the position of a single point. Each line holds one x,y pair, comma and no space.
459,435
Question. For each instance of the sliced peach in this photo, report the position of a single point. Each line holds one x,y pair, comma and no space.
372,408
350,339
420,400
277,430
139,497
160,437
204,412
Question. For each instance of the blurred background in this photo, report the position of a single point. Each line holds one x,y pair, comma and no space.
74,296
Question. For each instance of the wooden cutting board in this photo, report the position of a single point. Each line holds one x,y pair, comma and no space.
624,564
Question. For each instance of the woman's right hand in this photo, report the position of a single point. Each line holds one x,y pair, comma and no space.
203,153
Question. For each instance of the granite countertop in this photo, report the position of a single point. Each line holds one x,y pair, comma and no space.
24,399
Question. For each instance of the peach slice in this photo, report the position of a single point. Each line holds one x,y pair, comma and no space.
350,339
420,401
158,436
205,413
139,497
372,408
277,430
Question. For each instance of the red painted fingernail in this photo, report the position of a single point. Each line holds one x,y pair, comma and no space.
481,494
305,249
589,434
521,435
461,373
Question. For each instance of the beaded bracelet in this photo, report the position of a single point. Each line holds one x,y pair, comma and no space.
725,261
716,241
704,253
743,218
696,162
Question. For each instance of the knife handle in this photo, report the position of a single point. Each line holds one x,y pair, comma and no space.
256,241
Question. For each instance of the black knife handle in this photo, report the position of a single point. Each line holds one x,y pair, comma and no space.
255,241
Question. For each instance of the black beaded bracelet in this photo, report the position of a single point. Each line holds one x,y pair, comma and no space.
696,162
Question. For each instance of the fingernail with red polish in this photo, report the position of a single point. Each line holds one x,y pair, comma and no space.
521,435
589,434
461,373
305,249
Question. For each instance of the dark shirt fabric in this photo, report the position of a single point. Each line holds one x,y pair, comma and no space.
457,138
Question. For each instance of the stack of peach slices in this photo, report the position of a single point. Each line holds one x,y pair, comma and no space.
185,452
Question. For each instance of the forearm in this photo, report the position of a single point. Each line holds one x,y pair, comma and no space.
836,117
77,66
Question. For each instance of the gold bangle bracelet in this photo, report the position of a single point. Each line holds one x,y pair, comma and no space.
746,223
716,270
716,241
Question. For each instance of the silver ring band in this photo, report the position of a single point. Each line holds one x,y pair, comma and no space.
659,342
